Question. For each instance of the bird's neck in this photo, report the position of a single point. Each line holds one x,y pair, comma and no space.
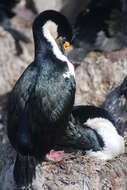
41,47
45,42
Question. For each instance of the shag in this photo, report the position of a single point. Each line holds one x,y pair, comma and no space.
41,101
99,26
98,131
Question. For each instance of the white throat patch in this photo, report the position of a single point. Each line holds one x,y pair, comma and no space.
50,30
50,33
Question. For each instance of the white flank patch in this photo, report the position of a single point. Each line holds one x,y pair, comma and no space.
113,142
50,33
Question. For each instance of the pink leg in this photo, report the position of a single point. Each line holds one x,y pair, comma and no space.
57,156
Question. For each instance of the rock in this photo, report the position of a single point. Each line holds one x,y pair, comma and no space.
96,76
80,173
11,65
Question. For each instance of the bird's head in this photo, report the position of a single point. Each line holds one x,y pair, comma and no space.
52,26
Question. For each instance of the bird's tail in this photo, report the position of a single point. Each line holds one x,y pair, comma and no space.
116,103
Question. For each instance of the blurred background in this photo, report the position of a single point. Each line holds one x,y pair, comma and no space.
98,50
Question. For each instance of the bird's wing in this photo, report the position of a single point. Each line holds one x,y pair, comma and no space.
52,100
19,97
83,113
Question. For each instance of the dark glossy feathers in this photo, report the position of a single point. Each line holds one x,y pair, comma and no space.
40,103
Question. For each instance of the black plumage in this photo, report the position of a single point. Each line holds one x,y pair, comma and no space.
80,136
7,6
116,36
92,29
40,103
116,103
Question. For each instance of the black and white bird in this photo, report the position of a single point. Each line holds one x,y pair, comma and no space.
98,131
41,101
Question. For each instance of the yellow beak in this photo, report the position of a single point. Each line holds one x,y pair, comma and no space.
66,44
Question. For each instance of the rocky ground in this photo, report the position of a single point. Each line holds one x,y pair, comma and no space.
96,76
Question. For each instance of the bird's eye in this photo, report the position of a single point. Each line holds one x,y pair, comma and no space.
64,40
66,44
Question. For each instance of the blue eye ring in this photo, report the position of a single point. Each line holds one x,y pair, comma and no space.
64,40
